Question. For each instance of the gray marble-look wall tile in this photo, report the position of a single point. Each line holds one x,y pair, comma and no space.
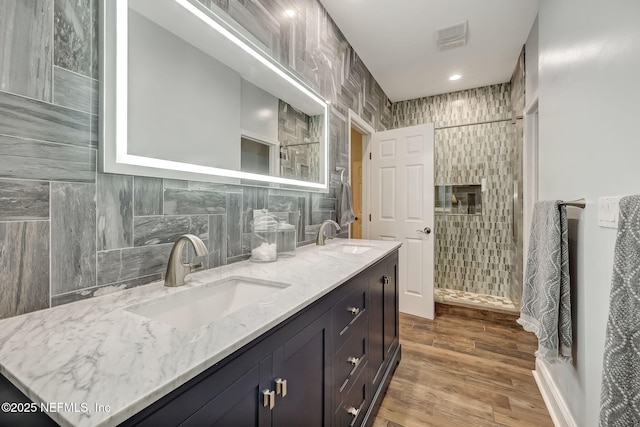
25,47
234,224
29,118
147,196
24,268
95,49
29,159
103,290
114,211
214,186
217,243
188,202
74,90
73,237
23,200
94,129
238,258
318,216
73,29
175,183
154,230
283,203
121,265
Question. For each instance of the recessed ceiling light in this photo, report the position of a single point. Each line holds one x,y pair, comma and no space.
455,77
290,13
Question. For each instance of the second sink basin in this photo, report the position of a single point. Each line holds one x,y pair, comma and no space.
347,248
354,249
205,304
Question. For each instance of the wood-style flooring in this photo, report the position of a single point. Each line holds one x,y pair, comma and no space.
467,367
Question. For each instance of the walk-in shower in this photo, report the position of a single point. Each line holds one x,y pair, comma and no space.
478,215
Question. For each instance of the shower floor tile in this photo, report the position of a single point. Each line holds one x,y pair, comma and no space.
475,300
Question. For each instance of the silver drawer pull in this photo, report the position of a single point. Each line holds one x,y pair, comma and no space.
281,386
353,310
355,361
268,398
353,411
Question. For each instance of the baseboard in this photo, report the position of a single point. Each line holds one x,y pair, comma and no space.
556,405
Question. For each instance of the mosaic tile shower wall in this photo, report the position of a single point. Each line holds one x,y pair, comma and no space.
68,232
472,252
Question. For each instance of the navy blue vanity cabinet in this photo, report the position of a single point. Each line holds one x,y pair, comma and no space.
10,394
351,348
383,318
328,365
279,380
301,372
287,388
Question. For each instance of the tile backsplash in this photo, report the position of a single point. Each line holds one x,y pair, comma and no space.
68,232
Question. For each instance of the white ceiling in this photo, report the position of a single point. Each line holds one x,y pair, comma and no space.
396,40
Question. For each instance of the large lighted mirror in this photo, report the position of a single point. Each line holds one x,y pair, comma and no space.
188,94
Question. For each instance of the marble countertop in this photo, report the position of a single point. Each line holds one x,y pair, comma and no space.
106,364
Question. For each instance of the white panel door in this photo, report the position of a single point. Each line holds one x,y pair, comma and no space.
402,205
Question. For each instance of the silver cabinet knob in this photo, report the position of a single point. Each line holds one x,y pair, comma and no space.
353,310
386,280
355,361
353,411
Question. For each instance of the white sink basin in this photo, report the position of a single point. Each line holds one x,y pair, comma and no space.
355,249
207,303
348,248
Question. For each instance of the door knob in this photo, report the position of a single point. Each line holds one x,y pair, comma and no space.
426,230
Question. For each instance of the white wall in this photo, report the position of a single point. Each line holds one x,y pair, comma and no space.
258,112
589,71
183,104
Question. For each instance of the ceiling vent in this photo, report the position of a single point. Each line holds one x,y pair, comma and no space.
452,36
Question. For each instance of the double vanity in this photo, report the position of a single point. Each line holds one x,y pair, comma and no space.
307,340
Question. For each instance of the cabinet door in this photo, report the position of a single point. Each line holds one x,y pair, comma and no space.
240,404
390,304
303,363
383,317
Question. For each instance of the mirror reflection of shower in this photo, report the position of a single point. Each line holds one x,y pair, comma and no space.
300,137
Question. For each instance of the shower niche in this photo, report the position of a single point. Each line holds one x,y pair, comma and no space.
458,199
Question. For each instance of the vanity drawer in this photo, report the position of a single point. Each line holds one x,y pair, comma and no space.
351,411
351,356
350,311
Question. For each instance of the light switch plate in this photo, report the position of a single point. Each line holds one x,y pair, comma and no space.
608,211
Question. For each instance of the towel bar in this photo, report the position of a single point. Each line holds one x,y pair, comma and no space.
580,203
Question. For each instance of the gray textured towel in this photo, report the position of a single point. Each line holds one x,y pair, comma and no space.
345,209
620,396
546,304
